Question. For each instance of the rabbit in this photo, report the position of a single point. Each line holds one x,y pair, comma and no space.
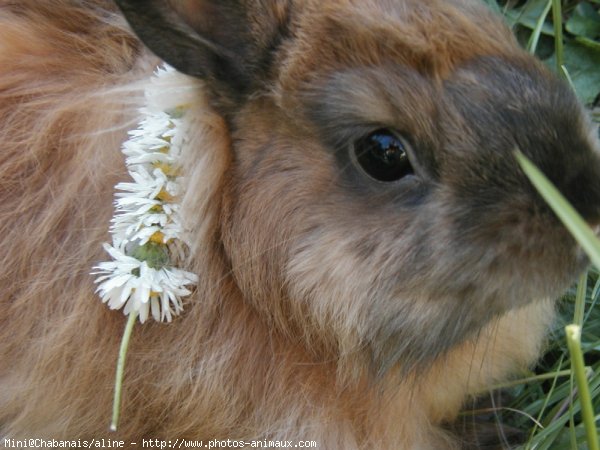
370,256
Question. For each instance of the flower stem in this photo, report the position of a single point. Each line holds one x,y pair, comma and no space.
120,369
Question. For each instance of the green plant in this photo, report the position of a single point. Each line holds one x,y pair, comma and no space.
548,403
563,32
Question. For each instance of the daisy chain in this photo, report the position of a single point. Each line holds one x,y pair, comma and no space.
146,228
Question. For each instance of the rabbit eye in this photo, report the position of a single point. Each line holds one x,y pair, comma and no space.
382,155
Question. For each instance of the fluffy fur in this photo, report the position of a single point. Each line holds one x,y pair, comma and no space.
330,307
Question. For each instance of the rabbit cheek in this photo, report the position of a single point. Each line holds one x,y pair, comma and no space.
310,251
273,190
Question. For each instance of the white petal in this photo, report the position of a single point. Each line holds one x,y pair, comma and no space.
155,308
116,282
143,311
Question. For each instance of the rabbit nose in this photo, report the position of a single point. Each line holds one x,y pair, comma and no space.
583,192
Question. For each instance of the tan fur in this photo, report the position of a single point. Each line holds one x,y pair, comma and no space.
249,359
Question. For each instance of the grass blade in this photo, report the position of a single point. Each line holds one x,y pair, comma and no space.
580,230
558,34
585,399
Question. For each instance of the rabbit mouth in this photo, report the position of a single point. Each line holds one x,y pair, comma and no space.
461,301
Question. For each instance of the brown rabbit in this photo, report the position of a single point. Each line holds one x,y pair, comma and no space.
370,255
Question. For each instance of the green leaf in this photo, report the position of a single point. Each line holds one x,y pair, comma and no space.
528,16
584,22
583,64
493,5
593,45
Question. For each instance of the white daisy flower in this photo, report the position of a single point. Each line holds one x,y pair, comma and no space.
129,282
147,237
146,227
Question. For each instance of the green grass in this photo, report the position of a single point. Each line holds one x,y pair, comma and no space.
558,404
560,33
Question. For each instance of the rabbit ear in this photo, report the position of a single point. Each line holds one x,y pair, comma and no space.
225,42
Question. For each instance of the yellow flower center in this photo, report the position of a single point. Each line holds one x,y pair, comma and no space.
167,169
164,196
158,238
